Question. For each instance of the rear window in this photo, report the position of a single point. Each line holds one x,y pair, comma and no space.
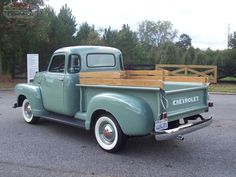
74,64
100,60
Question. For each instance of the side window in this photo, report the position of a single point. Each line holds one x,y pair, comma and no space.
100,60
57,64
74,64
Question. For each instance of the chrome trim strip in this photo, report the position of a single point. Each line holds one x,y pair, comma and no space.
119,87
185,90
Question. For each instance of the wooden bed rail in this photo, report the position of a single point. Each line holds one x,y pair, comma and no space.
137,78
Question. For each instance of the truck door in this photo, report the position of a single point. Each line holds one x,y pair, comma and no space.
53,84
71,91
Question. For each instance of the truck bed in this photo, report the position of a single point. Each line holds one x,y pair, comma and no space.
179,96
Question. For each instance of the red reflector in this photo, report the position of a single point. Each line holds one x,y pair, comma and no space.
164,115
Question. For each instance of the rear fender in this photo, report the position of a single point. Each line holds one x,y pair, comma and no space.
33,94
133,114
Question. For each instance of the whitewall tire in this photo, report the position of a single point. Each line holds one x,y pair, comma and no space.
27,113
108,133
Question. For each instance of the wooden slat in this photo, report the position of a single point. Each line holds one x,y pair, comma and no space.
122,82
182,66
146,77
201,66
215,75
169,66
105,74
147,72
166,72
186,79
197,72
177,71
209,71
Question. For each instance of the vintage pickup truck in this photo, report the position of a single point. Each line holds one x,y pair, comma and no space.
87,87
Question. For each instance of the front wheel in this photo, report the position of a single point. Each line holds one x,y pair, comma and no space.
27,113
108,133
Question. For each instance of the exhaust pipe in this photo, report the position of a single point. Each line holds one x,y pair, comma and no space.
180,138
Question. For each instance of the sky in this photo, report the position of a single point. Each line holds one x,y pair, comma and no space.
205,21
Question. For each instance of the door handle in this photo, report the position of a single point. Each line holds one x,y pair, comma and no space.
60,79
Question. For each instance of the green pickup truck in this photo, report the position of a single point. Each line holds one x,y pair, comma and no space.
113,111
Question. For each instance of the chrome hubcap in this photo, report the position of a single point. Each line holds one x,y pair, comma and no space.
107,134
28,110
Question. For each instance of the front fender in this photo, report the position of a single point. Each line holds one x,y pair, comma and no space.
33,94
133,114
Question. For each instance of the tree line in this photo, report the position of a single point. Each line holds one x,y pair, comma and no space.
154,42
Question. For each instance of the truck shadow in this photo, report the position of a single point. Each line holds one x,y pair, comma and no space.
65,130
141,146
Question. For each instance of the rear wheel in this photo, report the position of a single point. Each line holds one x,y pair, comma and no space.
27,113
108,133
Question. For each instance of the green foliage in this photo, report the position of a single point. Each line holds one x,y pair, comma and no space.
127,41
87,35
229,62
12,35
232,40
189,56
184,41
153,43
166,53
66,26
156,33
110,37
200,58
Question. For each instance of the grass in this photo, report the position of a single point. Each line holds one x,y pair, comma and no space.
10,84
229,79
222,87
7,85
7,82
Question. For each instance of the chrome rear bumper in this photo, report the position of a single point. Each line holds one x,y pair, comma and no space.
182,129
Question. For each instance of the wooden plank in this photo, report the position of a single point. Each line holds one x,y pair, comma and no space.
182,66
197,72
178,71
104,74
209,71
215,75
169,66
201,66
147,77
186,79
122,82
147,72
166,72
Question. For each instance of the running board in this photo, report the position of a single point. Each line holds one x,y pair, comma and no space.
65,120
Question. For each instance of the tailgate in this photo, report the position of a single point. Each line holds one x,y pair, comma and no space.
186,102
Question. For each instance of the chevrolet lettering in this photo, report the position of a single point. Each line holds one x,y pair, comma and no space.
180,101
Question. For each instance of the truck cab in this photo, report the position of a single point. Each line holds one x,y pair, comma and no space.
58,82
